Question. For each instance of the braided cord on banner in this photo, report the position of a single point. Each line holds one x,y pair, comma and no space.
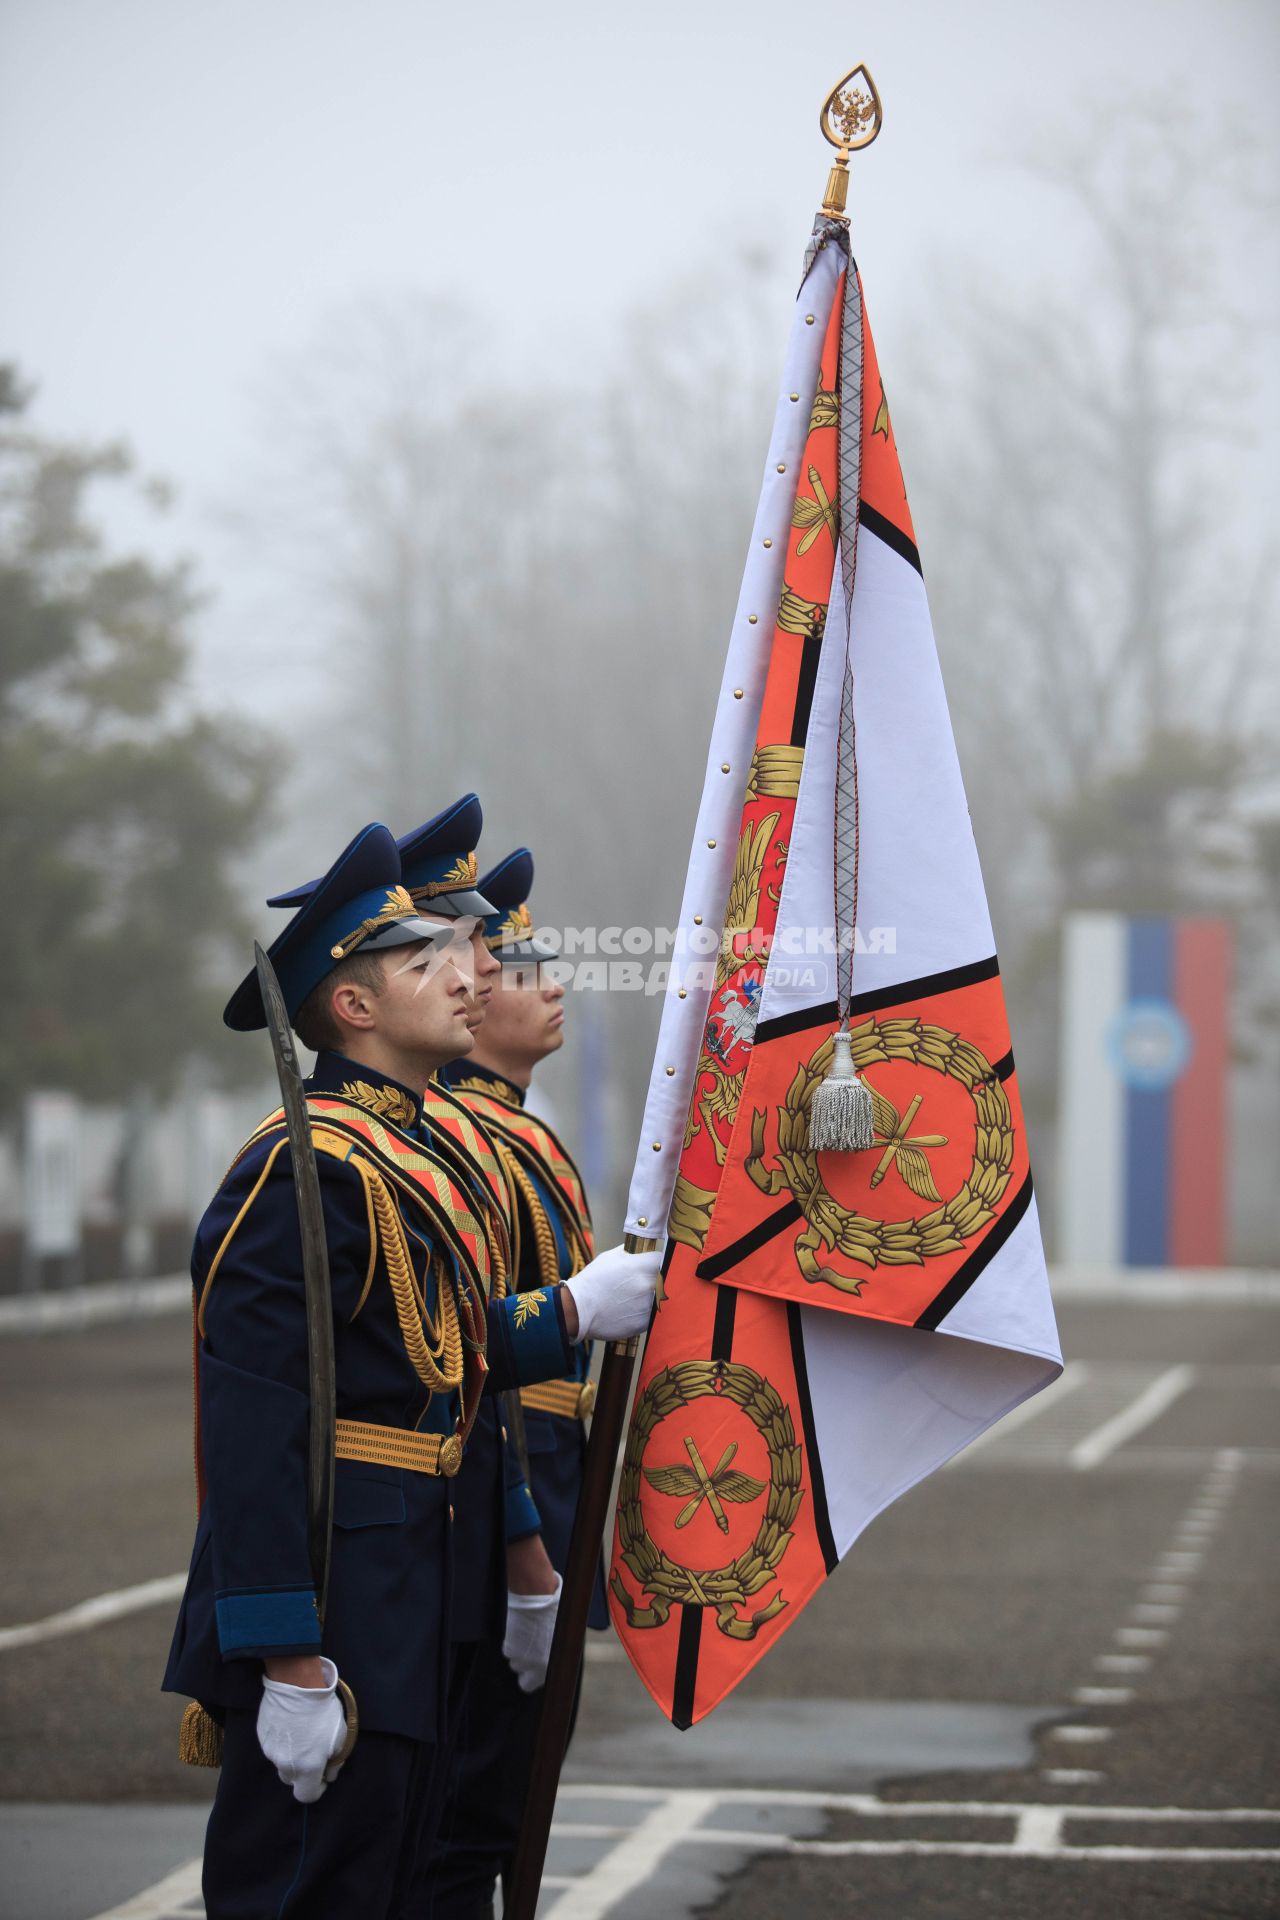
828,232
841,1112
848,842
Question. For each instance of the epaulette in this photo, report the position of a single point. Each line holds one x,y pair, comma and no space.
537,1164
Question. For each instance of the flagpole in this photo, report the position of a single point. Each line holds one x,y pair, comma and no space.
560,1693
849,122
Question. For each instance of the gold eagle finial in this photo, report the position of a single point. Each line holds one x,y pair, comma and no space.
851,118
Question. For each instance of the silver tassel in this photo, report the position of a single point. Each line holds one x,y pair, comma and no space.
841,1119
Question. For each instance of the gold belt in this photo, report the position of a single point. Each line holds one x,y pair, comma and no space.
398,1447
568,1398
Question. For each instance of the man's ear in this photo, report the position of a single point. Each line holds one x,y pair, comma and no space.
352,1005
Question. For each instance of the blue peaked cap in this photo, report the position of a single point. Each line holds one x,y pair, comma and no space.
508,929
437,864
358,905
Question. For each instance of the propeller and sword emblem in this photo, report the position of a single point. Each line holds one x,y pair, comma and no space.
904,1150
694,1485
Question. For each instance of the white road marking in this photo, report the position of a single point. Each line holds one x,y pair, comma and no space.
1081,1736
1177,1561
1072,1776
1121,1662
96,1612
1103,1696
1038,1832
1162,1590
1140,1636
1144,1611
635,1858
995,1850
1036,1828
679,1817
169,1897
1131,1420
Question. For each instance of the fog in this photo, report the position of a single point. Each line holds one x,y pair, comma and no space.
455,336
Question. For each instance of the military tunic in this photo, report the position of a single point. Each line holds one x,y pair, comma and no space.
250,1593
489,1766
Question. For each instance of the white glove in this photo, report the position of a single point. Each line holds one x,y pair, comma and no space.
300,1729
531,1625
614,1293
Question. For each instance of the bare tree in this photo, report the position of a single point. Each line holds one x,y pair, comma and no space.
527,592
1105,601
1103,584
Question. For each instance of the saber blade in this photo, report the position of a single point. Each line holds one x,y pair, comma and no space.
321,1370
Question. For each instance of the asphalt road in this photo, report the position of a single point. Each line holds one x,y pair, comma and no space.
1075,1627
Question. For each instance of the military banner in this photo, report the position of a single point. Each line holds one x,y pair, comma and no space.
834,1322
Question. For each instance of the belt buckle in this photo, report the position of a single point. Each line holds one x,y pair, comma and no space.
586,1399
450,1456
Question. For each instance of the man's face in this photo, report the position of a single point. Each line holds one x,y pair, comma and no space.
524,1020
434,991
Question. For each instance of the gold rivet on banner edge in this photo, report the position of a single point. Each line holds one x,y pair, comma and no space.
753,619
670,1071
724,766
737,693
642,1219
711,843
682,994
782,466
697,919
795,396
808,319
657,1146
768,543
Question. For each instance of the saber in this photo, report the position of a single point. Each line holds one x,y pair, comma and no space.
513,1415
321,1373
322,1380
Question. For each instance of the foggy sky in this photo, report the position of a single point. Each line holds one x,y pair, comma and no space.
185,189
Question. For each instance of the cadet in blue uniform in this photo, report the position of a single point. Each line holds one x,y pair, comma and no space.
384,987
501,1566
492,1499
522,1024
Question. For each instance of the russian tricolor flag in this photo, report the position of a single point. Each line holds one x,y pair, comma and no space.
1144,1091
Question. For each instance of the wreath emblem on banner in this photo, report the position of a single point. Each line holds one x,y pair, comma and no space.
832,1227
730,1587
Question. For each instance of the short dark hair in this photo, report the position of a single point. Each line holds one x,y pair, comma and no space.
314,1022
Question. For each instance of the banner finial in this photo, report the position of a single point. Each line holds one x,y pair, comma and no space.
851,118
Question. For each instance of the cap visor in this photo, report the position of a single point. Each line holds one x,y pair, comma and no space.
456,904
535,949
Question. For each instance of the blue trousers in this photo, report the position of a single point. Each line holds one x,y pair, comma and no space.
362,1849
353,1851
486,1781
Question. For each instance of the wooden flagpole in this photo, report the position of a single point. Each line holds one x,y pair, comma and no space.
561,1689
